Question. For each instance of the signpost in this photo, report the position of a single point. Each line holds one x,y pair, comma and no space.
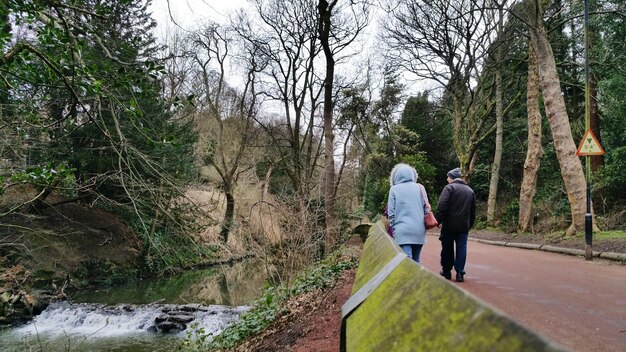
589,145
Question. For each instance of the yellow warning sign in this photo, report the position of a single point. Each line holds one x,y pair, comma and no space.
589,145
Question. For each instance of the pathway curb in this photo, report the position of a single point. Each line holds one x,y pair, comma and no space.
619,257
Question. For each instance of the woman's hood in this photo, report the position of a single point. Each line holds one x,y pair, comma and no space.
402,173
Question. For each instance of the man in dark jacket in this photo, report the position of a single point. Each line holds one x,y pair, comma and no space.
456,213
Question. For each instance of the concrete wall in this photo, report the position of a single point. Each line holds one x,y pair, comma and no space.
397,305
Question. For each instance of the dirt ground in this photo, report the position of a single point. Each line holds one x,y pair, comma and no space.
60,239
313,327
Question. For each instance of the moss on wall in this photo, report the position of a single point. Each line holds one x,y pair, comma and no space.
378,250
415,310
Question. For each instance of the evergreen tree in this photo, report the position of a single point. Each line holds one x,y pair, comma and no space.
422,116
86,80
608,60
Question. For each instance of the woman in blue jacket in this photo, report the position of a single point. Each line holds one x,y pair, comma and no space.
406,207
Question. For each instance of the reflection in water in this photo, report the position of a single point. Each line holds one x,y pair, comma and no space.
224,293
233,285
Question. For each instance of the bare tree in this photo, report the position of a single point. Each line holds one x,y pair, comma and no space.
325,22
231,110
447,42
179,67
335,34
285,33
497,157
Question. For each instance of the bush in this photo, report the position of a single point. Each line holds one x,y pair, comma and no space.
509,218
610,180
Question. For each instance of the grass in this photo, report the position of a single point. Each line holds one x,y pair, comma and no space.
609,235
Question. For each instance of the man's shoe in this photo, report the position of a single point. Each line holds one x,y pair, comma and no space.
459,277
447,275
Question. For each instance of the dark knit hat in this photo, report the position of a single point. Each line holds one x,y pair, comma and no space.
454,173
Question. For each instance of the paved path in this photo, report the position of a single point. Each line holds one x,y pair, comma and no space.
576,303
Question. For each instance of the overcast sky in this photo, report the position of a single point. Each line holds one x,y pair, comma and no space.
188,12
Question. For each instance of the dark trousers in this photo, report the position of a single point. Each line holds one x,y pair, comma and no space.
448,257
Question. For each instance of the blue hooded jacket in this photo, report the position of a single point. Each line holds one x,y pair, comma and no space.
406,206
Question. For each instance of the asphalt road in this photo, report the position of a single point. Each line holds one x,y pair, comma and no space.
578,304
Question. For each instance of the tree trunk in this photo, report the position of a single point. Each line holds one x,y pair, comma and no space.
325,12
39,203
497,157
266,182
224,290
534,149
229,214
571,168
459,147
467,175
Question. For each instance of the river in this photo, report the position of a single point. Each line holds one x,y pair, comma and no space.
123,318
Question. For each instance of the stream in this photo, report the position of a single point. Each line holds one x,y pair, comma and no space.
145,315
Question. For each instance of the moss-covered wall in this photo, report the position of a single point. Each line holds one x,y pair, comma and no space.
415,310
378,250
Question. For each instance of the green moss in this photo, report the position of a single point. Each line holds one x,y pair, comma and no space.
414,310
380,249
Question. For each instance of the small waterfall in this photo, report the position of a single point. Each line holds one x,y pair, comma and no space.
100,320
101,323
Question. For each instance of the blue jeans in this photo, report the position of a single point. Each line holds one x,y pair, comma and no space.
412,250
448,258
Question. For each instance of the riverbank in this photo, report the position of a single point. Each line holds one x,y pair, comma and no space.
48,254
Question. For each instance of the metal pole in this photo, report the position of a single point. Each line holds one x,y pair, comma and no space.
588,217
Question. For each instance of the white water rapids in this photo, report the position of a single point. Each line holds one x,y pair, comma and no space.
92,325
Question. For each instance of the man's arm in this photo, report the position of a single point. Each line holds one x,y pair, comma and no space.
444,204
473,210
